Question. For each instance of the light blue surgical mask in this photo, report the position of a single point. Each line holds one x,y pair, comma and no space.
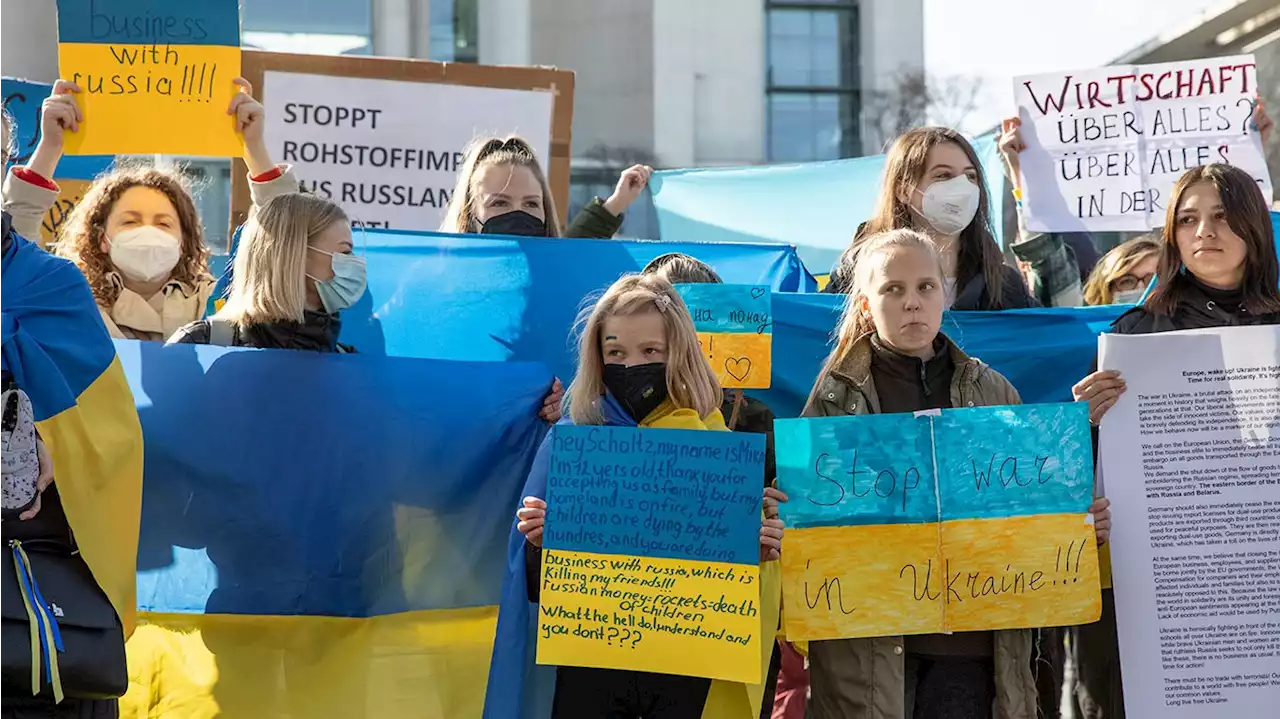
348,284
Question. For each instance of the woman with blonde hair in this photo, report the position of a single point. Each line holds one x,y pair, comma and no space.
136,234
502,190
294,273
1122,275
640,365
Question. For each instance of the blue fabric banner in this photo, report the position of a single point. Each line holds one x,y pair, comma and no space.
484,298
815,206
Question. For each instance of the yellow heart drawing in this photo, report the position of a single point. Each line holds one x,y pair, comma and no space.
738,367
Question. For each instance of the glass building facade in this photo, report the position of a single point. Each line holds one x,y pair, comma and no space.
813,80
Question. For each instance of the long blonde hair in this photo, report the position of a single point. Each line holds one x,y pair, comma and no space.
1117,263
510,151
855,319
269,279
690,382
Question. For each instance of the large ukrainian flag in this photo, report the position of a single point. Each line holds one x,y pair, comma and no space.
60,354
322,535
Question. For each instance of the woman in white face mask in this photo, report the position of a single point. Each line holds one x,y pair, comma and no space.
136,234
934,184
294,273
1122,275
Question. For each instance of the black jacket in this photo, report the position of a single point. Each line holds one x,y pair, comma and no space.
594,221
318,332
1202,307
753,416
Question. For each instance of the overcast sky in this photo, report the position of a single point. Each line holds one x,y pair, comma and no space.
998,39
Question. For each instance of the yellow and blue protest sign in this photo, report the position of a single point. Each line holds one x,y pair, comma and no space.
651,558
735,329
962,520
156,75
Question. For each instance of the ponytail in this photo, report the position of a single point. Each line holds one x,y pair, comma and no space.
510,151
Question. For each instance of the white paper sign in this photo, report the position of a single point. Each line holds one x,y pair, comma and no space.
1191,453
1105,147
388,151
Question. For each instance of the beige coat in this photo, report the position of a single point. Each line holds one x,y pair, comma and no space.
864,678
133,316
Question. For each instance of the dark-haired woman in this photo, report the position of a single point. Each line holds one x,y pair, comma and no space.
1217,268
934,183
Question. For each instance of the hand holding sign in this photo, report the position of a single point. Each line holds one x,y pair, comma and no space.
249,114
533,519
59,113
1262,122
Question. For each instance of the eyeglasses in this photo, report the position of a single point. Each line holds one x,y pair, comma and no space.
1128,283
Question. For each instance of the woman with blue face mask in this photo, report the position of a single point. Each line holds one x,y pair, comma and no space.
934,184
294,273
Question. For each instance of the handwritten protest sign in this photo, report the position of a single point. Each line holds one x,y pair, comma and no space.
967,520
735,329
651,552
156,75
1105,146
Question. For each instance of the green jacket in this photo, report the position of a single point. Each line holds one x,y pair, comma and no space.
594,221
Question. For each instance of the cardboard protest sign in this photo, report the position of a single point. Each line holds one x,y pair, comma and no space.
23,99
384,138
1105,147
156,75
963,520
651,552
735,329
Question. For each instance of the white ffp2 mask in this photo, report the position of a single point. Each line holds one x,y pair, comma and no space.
949,206
145,254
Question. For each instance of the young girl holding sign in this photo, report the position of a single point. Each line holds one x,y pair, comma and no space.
890,356
136,234
639,364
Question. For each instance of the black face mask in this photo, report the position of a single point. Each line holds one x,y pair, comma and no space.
640,388
518,222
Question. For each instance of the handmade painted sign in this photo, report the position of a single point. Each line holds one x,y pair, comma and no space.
958,520
735,329
156,75
1106,146
651,552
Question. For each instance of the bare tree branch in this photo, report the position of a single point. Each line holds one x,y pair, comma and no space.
913,99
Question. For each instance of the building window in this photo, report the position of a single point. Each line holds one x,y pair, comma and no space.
318,27
813,80
455,31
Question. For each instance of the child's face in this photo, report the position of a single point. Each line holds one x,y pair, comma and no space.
631,340
905,298
500,189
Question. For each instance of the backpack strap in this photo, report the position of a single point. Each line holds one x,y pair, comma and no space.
222,332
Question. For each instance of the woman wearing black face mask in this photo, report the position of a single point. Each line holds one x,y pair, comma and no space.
502,190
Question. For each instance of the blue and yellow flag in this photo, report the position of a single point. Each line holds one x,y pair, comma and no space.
59,353
322,535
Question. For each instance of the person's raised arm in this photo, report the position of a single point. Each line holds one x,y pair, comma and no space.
1055,274
602,220
30,191
266,179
